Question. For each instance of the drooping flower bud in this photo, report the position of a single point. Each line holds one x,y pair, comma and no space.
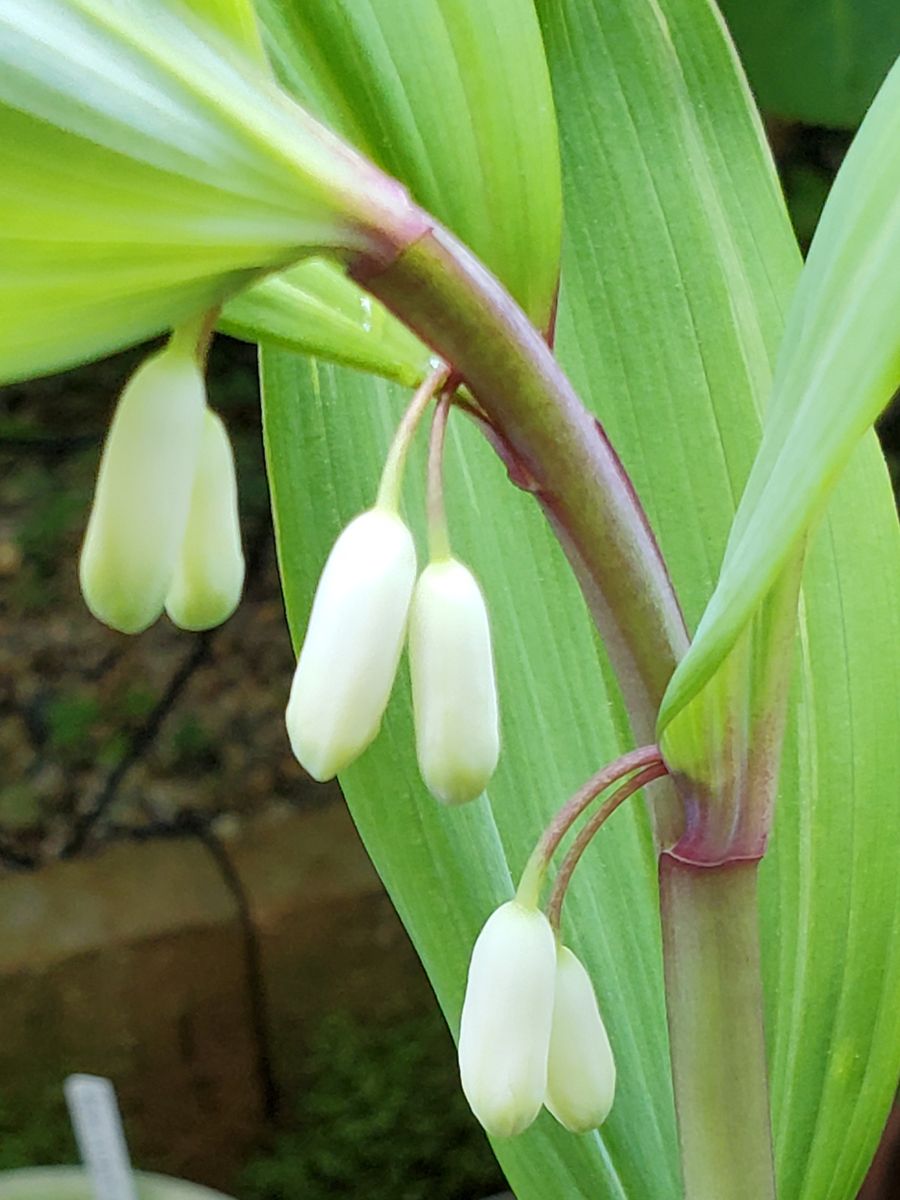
353,642
209,574
453,686
506,1019
581,1071
143,492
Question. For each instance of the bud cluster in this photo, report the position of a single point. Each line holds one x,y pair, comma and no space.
531,1034
163,531
366,602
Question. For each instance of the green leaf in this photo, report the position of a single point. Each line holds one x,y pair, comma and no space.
434,92
236,19
677,271
327,431
315,309
417,64
149,172
686,431
838,367
835,1059
813,60
830,884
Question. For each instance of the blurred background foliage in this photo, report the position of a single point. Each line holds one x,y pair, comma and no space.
812,61
103,738
377,1119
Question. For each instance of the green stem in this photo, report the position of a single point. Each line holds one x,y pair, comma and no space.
391,484
438,533
713,986
714,1008
532,880
457,307
589,831
192,337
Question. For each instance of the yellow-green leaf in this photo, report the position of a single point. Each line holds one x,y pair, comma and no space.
452,98
313,308
149,171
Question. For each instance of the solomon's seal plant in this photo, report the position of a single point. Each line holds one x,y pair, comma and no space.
378,187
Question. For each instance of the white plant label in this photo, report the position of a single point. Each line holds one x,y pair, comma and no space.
101,1139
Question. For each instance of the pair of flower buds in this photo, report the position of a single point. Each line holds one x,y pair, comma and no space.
366,601
531,1032
163,531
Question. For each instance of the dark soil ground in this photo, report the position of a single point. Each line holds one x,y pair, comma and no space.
99,731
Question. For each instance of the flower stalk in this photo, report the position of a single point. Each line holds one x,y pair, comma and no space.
536,868
588,832
438,533
451,659
391,484
464,314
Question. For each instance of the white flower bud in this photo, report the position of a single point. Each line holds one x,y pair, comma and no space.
506,1019
581,1071
353,642
143,493
209,574
453,687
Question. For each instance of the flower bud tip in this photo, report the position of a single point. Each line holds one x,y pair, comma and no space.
209,575
581,1071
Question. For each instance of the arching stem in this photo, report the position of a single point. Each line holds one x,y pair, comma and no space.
536,868
588,832
441,292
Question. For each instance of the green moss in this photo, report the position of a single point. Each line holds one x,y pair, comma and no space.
193,747
56,510
71,717
36,1133
381,1117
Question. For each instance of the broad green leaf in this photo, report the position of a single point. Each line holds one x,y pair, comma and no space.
150,171
327,430
838,367
236,19
813,60
830,885
435,92
460,167
677,271
687,431
839,363
314,308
